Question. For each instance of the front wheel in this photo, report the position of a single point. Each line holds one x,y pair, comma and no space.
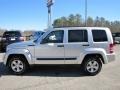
92,65
17,65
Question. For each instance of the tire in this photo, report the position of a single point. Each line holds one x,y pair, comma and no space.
17,65
92,65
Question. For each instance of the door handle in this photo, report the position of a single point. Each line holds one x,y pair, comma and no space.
60,45
86,45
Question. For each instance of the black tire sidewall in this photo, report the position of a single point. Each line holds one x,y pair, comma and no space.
24,65
87,60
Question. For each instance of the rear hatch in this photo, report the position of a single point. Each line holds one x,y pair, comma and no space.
11,36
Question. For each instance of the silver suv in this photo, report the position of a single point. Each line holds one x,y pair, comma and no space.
89,47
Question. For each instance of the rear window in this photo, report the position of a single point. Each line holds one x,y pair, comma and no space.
99,36
12,34
77,36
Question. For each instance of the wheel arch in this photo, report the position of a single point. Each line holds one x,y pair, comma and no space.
17,55
95,55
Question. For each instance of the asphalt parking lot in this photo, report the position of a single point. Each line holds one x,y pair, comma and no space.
62,78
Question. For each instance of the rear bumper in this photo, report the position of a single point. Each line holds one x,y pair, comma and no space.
111,57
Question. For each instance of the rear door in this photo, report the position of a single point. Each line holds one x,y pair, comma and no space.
77,42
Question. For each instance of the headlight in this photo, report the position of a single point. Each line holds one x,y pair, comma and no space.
27,51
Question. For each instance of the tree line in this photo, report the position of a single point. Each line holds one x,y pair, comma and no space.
77,20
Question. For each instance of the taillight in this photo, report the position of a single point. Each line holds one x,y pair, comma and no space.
22,38
111,48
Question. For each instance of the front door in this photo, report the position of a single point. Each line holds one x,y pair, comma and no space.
51,49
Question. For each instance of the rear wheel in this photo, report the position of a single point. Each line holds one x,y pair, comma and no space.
17,65
92,65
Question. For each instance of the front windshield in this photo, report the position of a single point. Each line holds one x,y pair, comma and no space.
38,38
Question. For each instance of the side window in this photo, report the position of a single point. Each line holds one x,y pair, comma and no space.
99,36
77,36
54,37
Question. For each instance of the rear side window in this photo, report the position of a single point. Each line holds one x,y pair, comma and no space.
77,36
99,36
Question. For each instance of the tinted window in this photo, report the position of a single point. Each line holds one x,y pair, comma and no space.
54,37
99,36
77,36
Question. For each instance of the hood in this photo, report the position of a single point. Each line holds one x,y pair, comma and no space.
20,44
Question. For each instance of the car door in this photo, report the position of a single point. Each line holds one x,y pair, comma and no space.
77,42
51,49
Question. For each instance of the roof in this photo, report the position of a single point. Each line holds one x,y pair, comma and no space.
69,28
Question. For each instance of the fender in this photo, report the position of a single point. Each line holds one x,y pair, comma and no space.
24,52
87,51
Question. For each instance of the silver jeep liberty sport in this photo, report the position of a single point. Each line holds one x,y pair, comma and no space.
89,47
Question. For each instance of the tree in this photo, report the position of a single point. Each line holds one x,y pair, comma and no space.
57,23
102,20
64,21
90,22
78,20
71,20
97,22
